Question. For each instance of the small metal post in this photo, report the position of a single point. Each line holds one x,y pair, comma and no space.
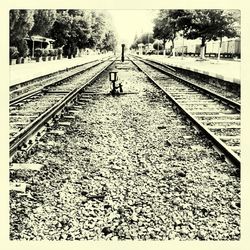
120,88
113,79
113,91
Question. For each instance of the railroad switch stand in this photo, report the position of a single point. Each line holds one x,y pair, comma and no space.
116,90
120,88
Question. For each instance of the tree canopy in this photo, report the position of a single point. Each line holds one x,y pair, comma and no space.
144,38
21,22
211,25
168,23
43,22
84,29
70,28
205,24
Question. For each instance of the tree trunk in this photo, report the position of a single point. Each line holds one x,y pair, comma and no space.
173,48
203,44
202,53
219,50
81,50
164,49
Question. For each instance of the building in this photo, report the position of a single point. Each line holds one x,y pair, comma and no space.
37,41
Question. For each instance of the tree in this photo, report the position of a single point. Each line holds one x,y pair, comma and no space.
144,38
134,44
210,25
102,31
43,22
81,29
98,26
168,23
81,26
60,30
158,45
228,26
21,22
63,33
109,42
76,12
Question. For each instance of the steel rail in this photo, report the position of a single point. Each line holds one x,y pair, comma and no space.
25,96
229,154
166,66
34,92
39,122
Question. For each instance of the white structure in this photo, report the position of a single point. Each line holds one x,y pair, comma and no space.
140,45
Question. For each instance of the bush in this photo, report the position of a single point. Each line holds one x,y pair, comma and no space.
27,53
51,52
59,51
74,51
13,52
155,46
45,52
55,52
38,52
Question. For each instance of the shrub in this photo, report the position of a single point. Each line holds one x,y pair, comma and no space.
155,45
38,52
13,52
45,52
74,52
51,52
60,51
55,52
27,53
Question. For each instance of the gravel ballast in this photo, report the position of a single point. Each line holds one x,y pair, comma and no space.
128,167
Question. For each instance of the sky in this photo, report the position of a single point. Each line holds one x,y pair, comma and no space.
128,23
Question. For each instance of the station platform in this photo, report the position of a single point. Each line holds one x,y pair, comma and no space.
227,70
23,72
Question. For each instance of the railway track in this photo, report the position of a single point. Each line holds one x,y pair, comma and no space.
21,91
126,167
228,90
31,113
212,114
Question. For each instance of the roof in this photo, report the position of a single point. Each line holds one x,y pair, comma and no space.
39,38
141,45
